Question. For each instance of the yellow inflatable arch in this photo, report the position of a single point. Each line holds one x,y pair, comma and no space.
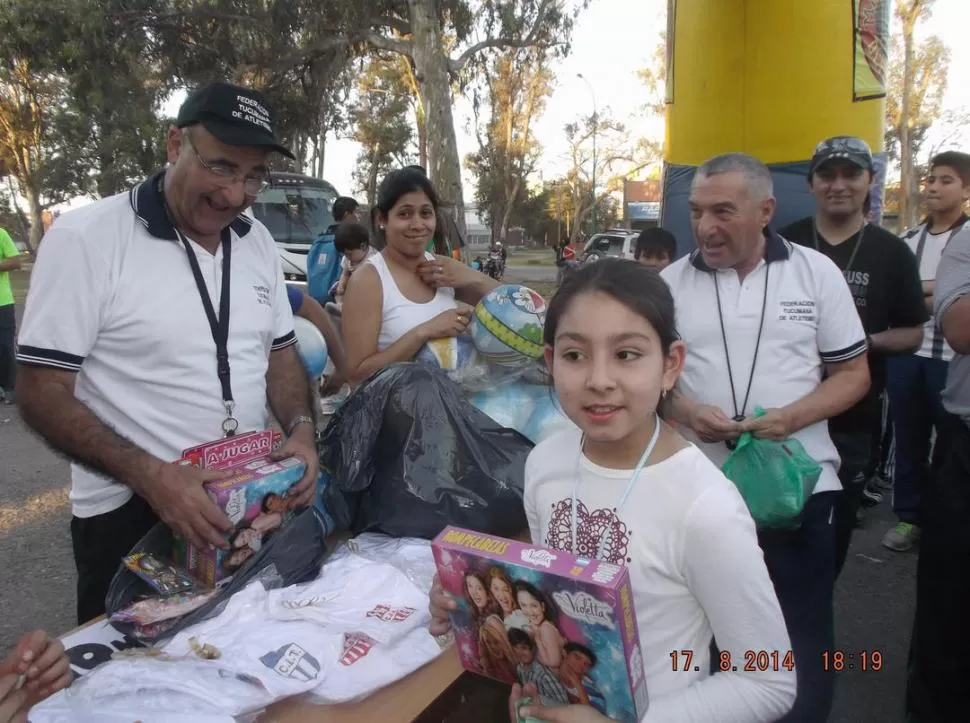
771,78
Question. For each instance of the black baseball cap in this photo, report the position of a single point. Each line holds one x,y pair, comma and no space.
235,115
848,148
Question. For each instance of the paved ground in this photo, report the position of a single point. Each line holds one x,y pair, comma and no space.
873,600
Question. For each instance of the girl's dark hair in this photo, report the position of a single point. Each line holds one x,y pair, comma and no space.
552,612
404,180
639,288
264,505
351,236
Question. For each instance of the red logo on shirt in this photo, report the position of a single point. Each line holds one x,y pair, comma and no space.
356,646
593,528
389,614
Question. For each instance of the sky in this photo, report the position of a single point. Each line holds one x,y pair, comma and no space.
613,39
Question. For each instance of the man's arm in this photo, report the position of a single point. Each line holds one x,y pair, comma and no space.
48,405
311,310
287,388
951,300
845,384
288,393
907,310
9,255
897,341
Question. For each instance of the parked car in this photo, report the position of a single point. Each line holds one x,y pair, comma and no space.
296,209
618,243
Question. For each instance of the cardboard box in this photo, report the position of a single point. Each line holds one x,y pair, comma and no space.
530,614
254,499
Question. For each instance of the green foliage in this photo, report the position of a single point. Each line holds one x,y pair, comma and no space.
381,120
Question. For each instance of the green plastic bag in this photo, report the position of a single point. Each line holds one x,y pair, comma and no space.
775,479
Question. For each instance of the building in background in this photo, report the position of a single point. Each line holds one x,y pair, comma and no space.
641,203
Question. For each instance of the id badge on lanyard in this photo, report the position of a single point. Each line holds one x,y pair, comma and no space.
219,326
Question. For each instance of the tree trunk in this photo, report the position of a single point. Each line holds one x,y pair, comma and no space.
36,216
372,179
431,67
422,134
321,153
905,124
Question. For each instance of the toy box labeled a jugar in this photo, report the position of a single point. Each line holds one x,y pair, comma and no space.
529,614
254,499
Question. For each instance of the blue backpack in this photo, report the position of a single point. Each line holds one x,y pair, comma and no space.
322,267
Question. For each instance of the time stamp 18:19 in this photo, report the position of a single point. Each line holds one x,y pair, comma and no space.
755,661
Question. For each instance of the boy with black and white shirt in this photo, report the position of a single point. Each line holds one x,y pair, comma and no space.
916,380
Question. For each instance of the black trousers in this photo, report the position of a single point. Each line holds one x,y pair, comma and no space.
801,564
99,544
937,689
855,450
8,332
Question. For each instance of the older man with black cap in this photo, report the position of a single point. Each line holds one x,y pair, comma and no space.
157,320
882,276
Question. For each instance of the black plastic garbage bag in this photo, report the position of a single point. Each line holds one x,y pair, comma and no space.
409,455
293,555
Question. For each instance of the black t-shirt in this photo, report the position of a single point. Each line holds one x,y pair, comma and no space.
884,281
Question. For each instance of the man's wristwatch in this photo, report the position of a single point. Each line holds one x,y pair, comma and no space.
302,419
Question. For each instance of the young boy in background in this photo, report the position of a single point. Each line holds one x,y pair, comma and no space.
656,248
352,241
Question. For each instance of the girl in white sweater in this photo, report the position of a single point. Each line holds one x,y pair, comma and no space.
626,488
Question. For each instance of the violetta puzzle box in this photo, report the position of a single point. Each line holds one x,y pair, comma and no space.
254,498
534,615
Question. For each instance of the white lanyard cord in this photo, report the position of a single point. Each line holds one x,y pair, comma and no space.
623,498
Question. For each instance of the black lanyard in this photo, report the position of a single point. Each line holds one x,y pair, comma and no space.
739,412
858,245
219,326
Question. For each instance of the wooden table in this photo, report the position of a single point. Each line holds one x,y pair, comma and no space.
428,693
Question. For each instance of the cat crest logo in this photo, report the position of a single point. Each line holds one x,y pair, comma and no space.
292,661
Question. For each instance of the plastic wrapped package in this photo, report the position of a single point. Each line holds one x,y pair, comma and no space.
531,409
410,555
547,418
510,405
408,455
294,554
157,689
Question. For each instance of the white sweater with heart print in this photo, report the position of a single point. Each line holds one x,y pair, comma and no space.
696,570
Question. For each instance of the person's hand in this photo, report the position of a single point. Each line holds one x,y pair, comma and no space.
13,701
710,424
441,603
774,424
443,272
42,666
302,444
448,323
556,713
175,493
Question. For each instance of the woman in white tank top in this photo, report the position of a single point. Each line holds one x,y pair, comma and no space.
404,296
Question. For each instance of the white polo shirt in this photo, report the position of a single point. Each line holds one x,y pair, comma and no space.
112,297
810,320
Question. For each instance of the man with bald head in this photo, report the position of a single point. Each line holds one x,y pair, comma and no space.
769,324
158,320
